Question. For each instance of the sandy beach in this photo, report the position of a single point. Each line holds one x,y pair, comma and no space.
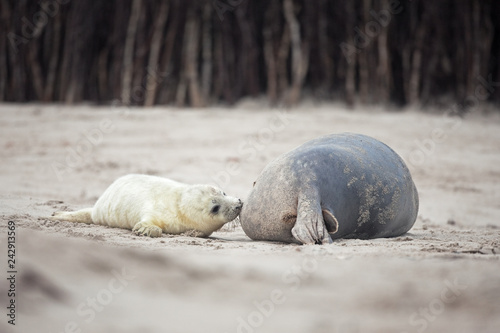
442,276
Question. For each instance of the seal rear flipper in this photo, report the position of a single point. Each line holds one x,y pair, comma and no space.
332,225
81,216
310,227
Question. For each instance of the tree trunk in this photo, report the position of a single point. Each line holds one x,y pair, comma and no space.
272,84
48,94
5,15
206,72
299,60
36,71
191,42
384,64
283,52
324,47
154,55
416,63
128,53
350,72
166,65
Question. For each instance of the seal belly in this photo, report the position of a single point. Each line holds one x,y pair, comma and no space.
121,205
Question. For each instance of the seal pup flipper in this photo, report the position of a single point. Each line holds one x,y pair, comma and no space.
81,216
147,228
310,227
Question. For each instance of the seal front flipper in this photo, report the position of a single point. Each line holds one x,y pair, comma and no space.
313,223
146,228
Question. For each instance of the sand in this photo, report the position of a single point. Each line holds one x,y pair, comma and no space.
443,276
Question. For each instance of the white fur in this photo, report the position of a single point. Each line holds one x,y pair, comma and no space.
150,205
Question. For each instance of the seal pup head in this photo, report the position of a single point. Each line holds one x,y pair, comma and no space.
208,208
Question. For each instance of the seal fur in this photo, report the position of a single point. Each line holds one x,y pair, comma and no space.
151,205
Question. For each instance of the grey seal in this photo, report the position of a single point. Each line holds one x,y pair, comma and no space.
336,186
151,205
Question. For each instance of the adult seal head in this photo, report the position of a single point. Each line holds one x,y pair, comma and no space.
336,186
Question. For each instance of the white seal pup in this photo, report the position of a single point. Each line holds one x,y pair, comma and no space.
150,205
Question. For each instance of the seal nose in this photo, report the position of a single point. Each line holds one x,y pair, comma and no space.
240,204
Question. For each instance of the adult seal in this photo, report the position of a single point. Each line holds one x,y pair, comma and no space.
336,186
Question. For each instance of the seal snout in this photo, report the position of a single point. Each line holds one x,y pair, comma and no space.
239,205
235,209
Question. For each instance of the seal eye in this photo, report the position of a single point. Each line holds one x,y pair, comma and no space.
215,209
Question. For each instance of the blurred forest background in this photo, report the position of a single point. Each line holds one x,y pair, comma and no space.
202,52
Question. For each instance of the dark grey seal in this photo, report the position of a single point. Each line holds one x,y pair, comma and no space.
336,186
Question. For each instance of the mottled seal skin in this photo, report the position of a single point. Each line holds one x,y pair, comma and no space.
336,186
